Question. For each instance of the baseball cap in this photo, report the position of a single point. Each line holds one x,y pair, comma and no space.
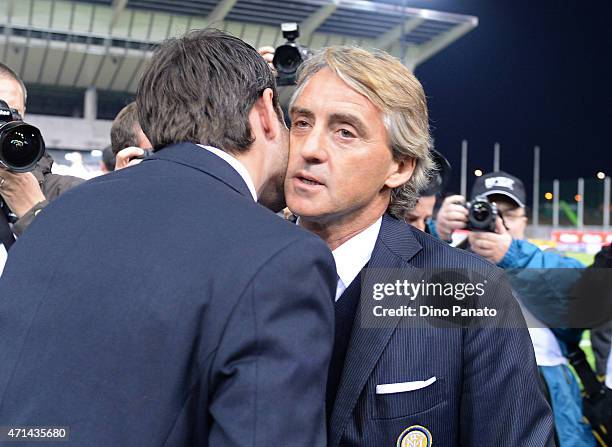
502,183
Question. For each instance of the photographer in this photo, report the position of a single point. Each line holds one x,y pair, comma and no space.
26,194
541,297
507,246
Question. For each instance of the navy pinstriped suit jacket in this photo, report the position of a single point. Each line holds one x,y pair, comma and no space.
487,390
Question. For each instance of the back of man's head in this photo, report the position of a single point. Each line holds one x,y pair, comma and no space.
14,93
125,128
200,88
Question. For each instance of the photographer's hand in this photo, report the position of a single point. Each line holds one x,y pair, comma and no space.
492,246
126,157
267,53
20,191
451,216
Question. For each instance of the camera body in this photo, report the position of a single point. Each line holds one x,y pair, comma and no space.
147,154
482,214
289,56
21,144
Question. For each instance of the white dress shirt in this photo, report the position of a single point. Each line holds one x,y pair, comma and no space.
609,371
545,345
354,254
237,165
3,255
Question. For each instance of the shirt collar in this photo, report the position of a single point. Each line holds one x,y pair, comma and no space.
237,165
355,253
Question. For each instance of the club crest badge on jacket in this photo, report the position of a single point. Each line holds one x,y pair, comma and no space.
415,436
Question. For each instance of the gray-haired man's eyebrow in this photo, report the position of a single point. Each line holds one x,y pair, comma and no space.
301,111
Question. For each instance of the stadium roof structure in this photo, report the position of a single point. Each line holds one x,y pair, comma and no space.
105,43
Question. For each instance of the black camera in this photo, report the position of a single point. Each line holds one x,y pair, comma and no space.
289,56
147,154
482,214
21,144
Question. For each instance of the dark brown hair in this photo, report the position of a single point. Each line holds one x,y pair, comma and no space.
200,88
124,128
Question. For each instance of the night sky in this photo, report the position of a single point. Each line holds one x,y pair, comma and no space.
532,73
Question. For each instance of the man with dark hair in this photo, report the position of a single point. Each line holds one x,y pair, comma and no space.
128,141
126,131
217,329
26,194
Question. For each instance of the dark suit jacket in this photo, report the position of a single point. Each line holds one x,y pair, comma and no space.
487,390
161,306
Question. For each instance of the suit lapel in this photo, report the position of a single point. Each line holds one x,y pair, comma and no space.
194,156
394,247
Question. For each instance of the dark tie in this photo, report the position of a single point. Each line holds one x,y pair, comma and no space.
345,310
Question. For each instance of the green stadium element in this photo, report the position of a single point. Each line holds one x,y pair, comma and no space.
568,212
586,258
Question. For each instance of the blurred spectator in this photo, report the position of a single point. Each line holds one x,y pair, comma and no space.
107,164
126,130
508,248
420,216
128,141
26,194
601,336
596,284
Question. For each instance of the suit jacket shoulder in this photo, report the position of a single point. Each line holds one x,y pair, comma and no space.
454,385
164,291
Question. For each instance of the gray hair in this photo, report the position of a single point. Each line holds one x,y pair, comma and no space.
391,87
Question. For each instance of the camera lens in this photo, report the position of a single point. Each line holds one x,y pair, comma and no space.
287,59
480,212
21,146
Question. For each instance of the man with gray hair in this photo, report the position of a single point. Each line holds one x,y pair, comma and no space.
359,152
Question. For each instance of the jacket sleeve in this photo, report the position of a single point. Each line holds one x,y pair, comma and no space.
270,371
53,185
502,402
24,222
543,281
524,254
